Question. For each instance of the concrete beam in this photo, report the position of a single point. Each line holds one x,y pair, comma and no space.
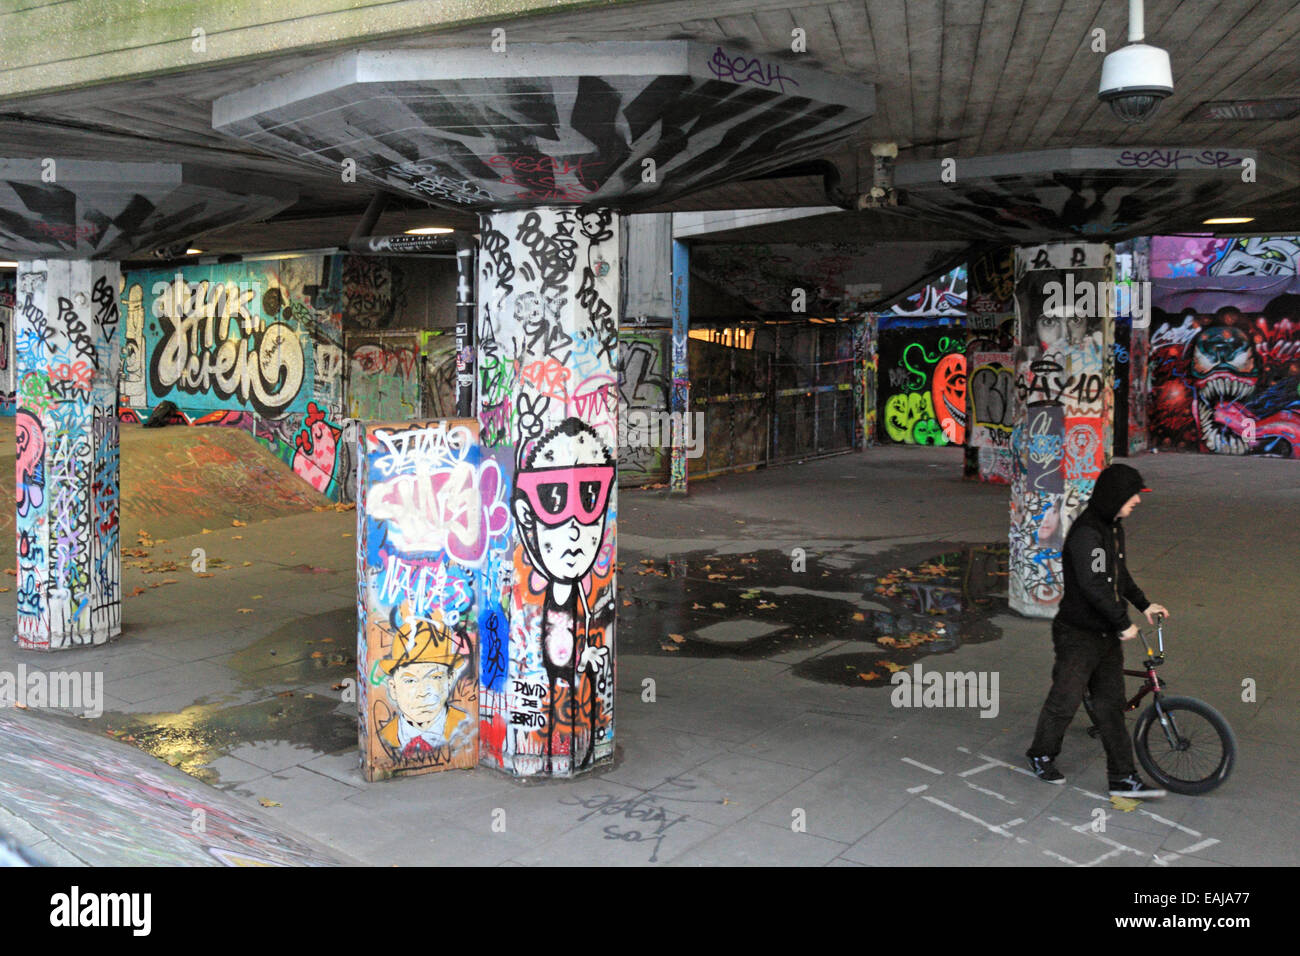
48,47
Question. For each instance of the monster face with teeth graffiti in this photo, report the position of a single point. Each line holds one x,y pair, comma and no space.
1228,383
1225,369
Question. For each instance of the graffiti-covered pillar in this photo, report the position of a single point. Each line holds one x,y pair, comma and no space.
680,397
1061,432
548,293
67,358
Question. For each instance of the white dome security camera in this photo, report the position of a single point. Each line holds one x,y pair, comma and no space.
1134,79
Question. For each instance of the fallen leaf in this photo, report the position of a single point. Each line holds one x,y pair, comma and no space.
717,577
765,605
172,580
870,675
244,610
248,564
338,686
697,607
1125,804
267,803
239,537
890,666
12,572
316,654
285,693
859,616
625,603
206,531
668,647
257,597
719,604
137,591
238,524
676,638
204,574
3,590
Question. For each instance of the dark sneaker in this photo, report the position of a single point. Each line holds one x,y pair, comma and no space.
1044,768
1132,786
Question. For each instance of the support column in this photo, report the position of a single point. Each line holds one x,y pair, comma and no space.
680,399
1061,436
67,358
548,294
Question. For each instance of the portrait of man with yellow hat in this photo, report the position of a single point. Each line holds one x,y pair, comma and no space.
423,668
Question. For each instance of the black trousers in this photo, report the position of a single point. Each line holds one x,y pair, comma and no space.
1092,662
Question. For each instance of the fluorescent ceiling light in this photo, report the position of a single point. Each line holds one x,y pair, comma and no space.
430,231
8,264
193,252
1228,221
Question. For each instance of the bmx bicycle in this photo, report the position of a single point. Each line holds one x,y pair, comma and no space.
1183,743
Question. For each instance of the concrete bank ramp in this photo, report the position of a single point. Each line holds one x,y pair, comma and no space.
179,480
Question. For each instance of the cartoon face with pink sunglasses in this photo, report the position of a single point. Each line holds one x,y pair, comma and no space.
560,498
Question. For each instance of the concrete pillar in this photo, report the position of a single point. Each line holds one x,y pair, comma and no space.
1061,436
548,293
67,358
680,398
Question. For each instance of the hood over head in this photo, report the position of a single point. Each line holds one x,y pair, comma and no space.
1115,485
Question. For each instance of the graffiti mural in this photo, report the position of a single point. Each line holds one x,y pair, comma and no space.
923,386
946,296
644,387
1260,256
548,410
383,375
256,346
1060,437
66,451
429,509
1225,367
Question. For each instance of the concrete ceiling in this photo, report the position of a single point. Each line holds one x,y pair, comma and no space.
953,78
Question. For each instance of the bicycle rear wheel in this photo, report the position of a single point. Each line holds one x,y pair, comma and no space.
1192,750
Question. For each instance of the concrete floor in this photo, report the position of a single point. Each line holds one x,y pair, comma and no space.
762,716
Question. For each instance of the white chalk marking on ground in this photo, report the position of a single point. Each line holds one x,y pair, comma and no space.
917,763
1166,859
1064,859
1089,793
1169,823
980,769
1203,845
1009,766
1104,856
1085,829
992,828
924,786
1014,823
991,793
964,750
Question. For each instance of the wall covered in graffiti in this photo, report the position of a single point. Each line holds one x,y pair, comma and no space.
8,286
67,457
548,409
922,383
430,509
644,392
1061,436
1225,366
1258,256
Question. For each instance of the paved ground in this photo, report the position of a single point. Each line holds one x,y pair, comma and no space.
771,737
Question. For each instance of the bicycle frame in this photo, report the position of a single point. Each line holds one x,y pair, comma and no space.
1152,683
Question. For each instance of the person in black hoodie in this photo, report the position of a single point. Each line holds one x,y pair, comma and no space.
1090,622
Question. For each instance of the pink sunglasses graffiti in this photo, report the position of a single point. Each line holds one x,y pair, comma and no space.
558,494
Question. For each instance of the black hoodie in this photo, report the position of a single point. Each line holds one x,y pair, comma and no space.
1097,581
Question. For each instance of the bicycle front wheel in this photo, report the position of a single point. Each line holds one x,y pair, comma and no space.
1185,745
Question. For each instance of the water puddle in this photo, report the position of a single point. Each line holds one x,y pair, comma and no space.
892,608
